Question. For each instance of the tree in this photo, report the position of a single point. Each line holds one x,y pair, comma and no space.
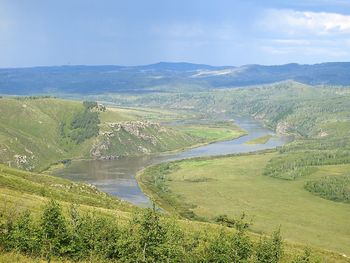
54,231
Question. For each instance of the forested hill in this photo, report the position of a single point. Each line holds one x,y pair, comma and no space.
162,76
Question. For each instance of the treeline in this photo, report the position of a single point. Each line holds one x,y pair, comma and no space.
300,163
335,188
147,237
82,126
34,97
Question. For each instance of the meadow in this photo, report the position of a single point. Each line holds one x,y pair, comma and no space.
206,188
260,140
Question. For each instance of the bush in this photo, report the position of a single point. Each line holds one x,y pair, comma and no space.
306,257
148,237
270,250
55,238
24,236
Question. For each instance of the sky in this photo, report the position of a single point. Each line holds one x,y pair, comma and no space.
137,32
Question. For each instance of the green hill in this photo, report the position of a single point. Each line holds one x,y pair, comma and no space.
36,132
29,132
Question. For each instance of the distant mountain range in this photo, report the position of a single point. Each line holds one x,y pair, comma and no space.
162,76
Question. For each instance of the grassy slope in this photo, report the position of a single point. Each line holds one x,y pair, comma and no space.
155,138
21,190
232,185
29,128
25,190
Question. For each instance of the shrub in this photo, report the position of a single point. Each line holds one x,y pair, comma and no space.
270,250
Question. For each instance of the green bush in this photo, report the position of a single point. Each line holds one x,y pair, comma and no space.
55,236
270,250
306,257
148,237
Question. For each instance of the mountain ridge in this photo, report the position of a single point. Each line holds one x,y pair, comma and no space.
84,79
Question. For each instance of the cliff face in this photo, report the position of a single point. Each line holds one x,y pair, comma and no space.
282,128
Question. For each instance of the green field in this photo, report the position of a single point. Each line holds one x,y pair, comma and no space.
260,140
214,132
232,185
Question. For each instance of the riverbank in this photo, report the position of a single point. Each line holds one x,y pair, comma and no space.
204,188
209,134
117,177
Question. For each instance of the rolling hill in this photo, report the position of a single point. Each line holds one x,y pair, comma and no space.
163,76
36,132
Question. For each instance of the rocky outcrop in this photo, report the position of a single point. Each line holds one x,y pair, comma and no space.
282,128
109,143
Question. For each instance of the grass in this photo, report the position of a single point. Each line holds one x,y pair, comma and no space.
260,140
29,127
30,136
214,132
131,114
21,191
234,185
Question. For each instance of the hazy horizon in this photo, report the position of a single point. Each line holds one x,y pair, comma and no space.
168,62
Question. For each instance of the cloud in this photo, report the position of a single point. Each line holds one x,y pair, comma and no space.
296,23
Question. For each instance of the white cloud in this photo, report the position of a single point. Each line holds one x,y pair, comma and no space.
293,22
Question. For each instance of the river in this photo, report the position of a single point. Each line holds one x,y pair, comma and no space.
117,177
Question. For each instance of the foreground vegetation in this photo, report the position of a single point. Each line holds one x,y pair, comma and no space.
90,226
145,238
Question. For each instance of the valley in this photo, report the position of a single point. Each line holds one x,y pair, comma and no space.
174,131
200,156
45,132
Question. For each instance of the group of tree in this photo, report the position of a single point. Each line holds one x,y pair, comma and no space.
147,237
293,165
82,126
335,188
